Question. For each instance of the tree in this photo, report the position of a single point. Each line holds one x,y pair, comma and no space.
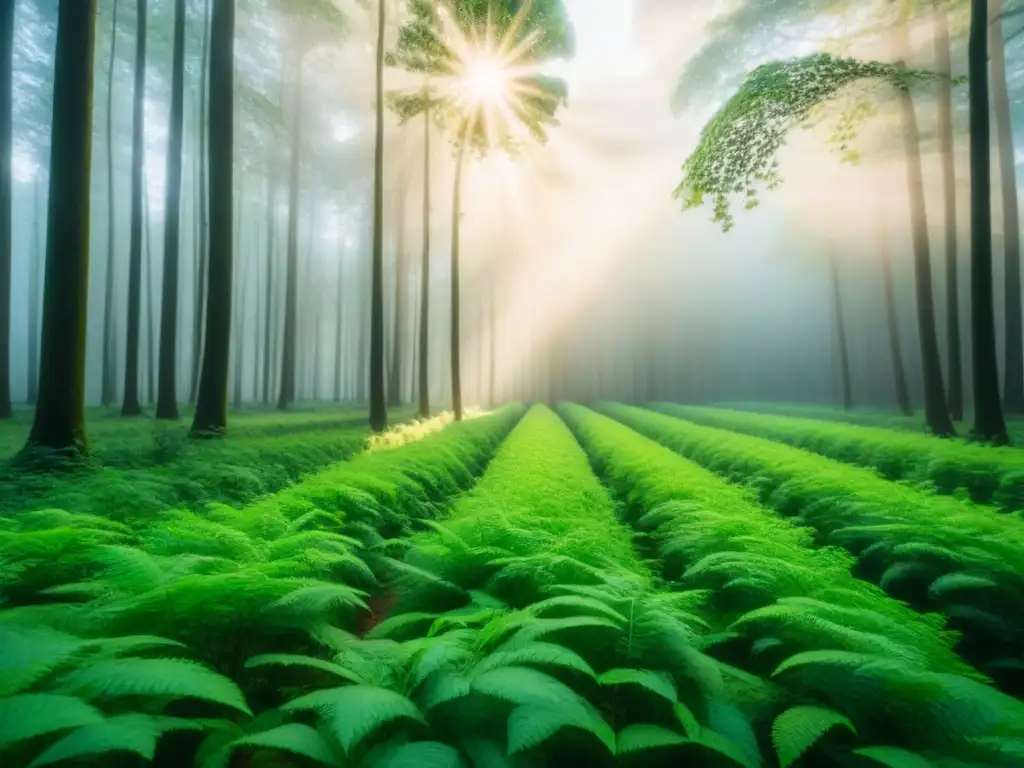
988,413
401,272
892,323
167,398
378,399
211,417
60,416
202,211
737,152
424,329
108,391
34,284
486,67
1013,381
837,308
6,148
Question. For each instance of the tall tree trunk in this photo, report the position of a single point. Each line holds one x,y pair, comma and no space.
401,269
945,108
378,400
424,359
268,297
988,413
339,309
203,241
150,299
936,412
34,284
837,308
109,386
6,199
456,363
211,416
892,320
130,405
290,342
167,397
239,342
60,416
1013,383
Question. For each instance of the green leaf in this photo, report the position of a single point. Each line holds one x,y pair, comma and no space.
717,743
407,622
894,757
28,715
687,719
29,654
643,736
537,653
586,605
159,678
123,733
798,729
442,688
658,683
316,599
420,754
830,658
525,686
353,712
530,726
953,582
294,738
295,660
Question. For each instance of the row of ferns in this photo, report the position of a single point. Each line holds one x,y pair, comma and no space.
395,610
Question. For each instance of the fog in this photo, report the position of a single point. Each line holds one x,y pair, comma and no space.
583,278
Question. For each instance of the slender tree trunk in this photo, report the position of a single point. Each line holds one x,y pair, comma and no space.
424,360
109,386
60,416
935,409
401,269
203,242
38,264
988,413
150,300
892,320
1013,383
338,324
167,397
239,342
289,343
378,400
945,108
211,416
6,199
456,363
837,308
130,405
268,297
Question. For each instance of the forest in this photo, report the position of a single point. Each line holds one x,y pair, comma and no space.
511,383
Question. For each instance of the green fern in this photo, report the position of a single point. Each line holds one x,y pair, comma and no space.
158,678
123,733
28,715
419,754
894,757
352,713
525,686
644,736
658,683
308,662
293,738
530,726
798,729
538,653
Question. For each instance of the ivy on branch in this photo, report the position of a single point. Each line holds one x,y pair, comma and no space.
738,147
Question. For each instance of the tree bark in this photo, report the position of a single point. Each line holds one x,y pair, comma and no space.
203,240
290,342
837,308
167,398
1013,382
988,413
456,363
109,386
936,411
268,297
60,416
211,416
338,322
378,399
34,285
6,199
401,269
892,320
945,110
147,283
424,330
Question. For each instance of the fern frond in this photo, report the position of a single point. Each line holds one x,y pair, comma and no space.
534,654
644,736
895,757
525,686
123,733
530,726
293,738
658,683
420,754
798,729
296,660
353,712
578,604
27,715
28,654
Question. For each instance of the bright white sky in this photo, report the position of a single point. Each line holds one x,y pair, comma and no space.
604,45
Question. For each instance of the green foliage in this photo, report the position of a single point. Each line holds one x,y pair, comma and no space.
738,147
798,729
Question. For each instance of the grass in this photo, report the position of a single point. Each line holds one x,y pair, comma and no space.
936,552
985,474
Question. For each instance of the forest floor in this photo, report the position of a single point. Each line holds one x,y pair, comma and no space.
606,586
